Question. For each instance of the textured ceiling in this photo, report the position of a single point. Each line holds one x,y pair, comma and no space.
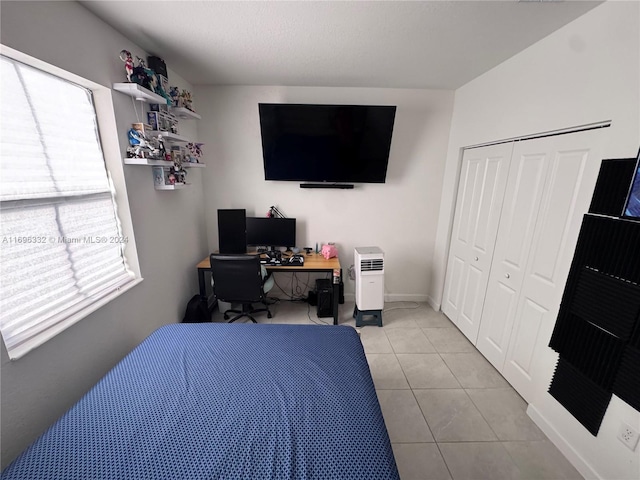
392,44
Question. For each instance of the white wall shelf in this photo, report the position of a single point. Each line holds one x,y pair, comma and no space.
182,112
175,186
169,136
139,93
145,95
148,162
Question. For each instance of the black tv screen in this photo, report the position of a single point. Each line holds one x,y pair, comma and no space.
632,207
326,143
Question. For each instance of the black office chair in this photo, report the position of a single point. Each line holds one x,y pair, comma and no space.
238,279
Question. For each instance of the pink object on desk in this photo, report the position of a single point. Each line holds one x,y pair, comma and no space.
329,251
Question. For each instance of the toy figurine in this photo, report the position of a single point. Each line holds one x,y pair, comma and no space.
125,56
136,138
174,93
144,76
162,150
195,150
185,100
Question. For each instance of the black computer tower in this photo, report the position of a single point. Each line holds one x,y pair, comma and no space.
232,231
324,290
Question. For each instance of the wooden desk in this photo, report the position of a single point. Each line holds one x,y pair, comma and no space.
313,263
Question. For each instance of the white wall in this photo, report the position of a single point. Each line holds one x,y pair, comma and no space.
168,226
586,72
399,216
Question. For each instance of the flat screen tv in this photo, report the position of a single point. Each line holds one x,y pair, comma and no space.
326,143
632,207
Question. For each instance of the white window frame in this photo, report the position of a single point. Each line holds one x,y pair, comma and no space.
105,115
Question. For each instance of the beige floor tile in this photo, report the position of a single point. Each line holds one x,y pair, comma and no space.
433,319
448,340
426,370
394,320
386,371
409,340
374,340
505,412
473,371
452,416
541,460
479,461
420,461
403,417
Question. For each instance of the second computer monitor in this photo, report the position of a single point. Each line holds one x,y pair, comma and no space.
271,232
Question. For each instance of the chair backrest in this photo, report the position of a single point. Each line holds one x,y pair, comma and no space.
237,278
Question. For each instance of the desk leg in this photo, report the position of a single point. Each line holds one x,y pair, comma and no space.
336,294
203,288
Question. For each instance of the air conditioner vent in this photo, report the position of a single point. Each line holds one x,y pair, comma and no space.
370,265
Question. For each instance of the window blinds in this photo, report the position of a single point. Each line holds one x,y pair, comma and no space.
61,244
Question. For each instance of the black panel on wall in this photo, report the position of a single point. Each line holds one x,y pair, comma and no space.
607,302
586,401
612,186
591,350
597,332
627,384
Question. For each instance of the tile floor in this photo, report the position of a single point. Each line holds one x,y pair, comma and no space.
449,413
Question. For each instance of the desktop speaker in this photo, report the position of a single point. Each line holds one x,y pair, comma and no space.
232,231
324,290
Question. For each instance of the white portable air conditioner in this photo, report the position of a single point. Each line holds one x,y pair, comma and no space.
369,263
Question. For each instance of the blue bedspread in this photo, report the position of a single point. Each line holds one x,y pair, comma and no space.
224,401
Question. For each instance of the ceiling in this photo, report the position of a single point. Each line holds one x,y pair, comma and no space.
389,44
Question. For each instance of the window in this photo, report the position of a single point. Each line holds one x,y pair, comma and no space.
63,249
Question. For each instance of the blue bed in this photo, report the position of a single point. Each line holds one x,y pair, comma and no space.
224,401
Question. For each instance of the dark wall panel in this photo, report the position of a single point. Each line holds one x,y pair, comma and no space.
597,332
612,186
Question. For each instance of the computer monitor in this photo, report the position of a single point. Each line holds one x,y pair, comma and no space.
271,232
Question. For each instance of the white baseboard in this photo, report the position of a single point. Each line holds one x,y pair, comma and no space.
435,305
401,297
391,297
563,445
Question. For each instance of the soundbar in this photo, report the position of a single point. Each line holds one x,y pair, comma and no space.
344,186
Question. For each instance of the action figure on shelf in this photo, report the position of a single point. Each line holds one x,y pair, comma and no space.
178,174
161,89
195,150
126,57
140,147
144,76
185,100
162,150
174,93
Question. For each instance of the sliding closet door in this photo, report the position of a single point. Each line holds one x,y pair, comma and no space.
481,190
570,180
549,188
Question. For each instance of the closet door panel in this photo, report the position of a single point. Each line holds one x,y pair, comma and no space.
571,178
524,193
481,190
